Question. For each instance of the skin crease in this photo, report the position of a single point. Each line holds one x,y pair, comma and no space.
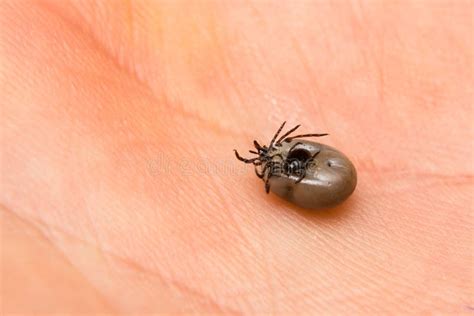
119,184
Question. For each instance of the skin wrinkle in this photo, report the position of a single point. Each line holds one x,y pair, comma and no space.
374,57
78,28
213,199
407,90
418,165
304,252
266,265
128,263
48,234
129,10
45,231
264,65
221,57
269,269
308,252
89,218
242,102
354,265
433,178
308,72
220,195
89,29
236,225
219,128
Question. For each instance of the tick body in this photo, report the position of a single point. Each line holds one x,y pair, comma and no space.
306,173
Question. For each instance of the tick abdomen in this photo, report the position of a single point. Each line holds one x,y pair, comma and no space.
306,173
329,180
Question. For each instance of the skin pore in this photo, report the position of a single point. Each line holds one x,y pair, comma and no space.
120,191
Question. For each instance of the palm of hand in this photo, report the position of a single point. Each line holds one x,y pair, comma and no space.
118,146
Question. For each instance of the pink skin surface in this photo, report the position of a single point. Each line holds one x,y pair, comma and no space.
120,191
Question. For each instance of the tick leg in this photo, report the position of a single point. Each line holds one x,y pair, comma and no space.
287,133
289,139
246,160
262,174
269,175
257,145
267,185
276,135
267,165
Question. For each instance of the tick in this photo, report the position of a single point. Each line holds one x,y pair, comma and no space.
306,173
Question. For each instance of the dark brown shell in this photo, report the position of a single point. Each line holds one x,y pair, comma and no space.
329,181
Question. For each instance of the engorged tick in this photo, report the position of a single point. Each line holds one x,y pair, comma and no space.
306,173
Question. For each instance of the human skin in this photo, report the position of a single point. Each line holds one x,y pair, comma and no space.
120,192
